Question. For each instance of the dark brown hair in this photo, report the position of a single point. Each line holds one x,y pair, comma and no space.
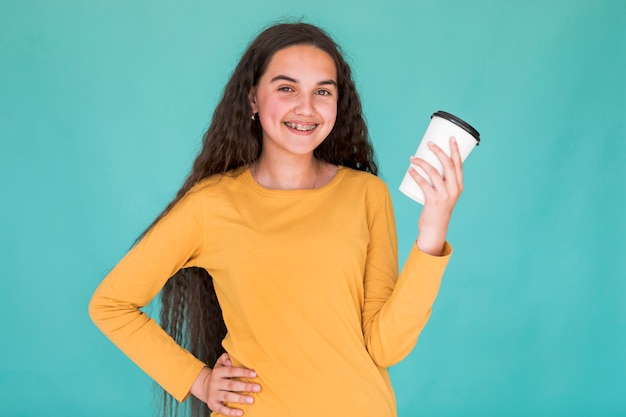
190,311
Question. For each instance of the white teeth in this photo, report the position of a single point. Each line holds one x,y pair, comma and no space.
300,127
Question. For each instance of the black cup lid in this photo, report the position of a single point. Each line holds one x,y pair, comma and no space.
460,123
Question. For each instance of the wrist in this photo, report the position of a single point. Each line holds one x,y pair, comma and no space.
431,248
433,228
431,241
199,388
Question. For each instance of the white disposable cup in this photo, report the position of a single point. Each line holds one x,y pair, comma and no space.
441,127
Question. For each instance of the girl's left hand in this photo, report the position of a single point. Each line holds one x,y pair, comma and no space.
439,198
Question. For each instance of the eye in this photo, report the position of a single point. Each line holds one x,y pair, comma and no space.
285,89
323,92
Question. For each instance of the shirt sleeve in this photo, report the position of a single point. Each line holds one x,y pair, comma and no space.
396,308
173,243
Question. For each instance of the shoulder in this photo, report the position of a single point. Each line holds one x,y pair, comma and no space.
209,191
215,184
364,186
365,180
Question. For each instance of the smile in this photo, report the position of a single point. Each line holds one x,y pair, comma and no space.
301,127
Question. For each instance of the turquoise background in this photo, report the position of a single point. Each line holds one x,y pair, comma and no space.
102,107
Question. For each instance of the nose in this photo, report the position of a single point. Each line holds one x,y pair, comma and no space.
304,105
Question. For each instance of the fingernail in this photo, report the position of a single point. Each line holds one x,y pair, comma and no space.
256,388
239,413
252,374
453,139
430,143
249,400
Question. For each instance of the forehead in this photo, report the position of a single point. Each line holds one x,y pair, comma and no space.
306,60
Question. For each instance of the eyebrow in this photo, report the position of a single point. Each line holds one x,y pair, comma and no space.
293,80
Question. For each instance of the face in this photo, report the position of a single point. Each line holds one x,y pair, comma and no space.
296,100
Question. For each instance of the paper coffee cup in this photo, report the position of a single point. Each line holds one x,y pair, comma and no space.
441,127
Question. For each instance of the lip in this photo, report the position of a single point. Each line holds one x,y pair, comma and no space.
309,126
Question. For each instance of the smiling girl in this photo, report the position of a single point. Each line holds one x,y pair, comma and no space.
277,259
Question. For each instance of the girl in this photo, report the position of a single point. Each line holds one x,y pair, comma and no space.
278,256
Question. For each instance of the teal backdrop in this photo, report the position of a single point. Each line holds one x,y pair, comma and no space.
102,107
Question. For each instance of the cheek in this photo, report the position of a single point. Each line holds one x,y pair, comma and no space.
330,112
274,108
326,108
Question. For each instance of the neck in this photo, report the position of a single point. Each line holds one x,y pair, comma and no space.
290,174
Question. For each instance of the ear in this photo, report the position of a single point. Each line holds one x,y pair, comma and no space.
252,100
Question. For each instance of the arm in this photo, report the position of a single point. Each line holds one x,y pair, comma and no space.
395,312
173,243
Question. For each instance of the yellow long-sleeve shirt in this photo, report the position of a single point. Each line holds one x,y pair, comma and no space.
308,285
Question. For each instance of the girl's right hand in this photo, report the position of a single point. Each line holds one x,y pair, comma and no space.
216,386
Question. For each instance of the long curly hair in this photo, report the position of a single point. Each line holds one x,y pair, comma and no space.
190,311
